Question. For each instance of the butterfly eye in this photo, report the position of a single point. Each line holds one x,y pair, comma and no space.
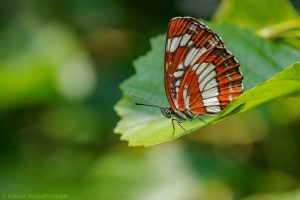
166,112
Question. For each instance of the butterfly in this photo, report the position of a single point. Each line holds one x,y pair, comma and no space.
201,76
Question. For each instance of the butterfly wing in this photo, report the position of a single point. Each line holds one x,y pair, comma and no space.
211,84
201,76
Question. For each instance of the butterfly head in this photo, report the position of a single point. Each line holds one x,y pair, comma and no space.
167,112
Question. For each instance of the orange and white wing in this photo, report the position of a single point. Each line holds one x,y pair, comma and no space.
201,75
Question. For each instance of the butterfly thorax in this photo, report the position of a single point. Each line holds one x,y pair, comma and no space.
181,116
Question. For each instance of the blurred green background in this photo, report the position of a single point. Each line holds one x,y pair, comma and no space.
61,63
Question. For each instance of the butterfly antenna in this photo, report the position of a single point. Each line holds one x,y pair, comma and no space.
137,97
143,104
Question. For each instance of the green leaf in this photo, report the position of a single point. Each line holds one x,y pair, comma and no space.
271,19
289,31
260,60
255,14
286,29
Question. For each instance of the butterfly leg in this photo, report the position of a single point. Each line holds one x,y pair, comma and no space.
179,123
211,115
200,119
173,128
